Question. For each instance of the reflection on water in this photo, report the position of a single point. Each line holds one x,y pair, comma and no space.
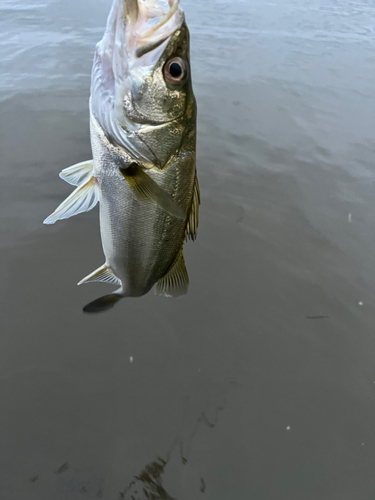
273,344
148,485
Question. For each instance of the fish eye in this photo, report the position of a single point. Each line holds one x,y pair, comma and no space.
175,71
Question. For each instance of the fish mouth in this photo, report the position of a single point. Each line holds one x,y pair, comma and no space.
149,16
149,23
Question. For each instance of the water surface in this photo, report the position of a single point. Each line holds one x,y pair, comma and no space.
259,384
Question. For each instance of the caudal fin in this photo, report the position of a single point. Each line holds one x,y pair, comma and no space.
102,304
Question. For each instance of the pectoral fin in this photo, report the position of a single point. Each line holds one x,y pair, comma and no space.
176,281
146,189
78,173
83,199
103,274
192,223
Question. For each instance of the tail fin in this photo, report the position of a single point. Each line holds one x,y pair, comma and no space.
102,304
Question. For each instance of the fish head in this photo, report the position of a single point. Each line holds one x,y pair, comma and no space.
141,74
159,89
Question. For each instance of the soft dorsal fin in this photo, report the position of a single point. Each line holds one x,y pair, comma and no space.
146,189
176,281
83,199
104,274
78,173
192,223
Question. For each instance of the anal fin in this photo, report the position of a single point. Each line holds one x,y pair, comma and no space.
83,199
146,189
78,173
103,274
192,223
176,281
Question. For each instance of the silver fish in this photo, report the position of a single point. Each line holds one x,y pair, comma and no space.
143,138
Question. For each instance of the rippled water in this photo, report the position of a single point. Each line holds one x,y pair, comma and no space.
259,384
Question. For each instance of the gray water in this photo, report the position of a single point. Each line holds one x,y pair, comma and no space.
260,383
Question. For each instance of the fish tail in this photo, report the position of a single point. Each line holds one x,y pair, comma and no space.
103,303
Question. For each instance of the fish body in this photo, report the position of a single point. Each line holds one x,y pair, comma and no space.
140,239
143,138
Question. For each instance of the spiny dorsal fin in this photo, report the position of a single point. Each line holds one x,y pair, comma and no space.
83,199
176,281
78,173
102,274
146,189
192,223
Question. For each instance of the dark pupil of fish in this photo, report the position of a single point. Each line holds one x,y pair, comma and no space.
175,70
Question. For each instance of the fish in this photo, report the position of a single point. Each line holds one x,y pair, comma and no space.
143,175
